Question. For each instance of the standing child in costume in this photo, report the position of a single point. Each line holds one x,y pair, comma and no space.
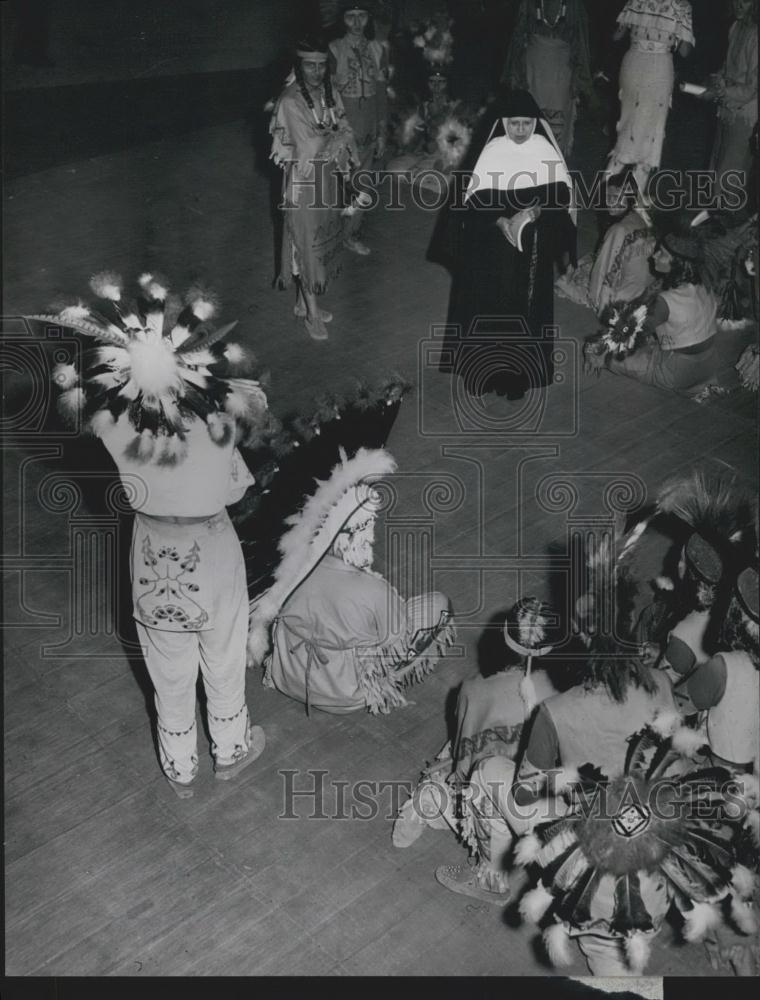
158,392
360,73
313,143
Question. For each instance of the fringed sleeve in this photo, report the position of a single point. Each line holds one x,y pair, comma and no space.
284,129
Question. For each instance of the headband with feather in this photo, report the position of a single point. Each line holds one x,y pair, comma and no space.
525,633
160,363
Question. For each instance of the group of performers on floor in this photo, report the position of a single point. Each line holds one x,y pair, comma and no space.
572,712
571,707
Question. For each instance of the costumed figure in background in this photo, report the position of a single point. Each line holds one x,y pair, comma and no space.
342,638
433,138
161,393
734,90
549,56
359,67
724,689
514,221
668,339
657,29
619,270
313,143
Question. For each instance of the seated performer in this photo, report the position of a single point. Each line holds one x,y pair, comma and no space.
491,713
342,637
619,270
683,623
587,723
159,397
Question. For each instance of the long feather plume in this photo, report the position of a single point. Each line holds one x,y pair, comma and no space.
558,946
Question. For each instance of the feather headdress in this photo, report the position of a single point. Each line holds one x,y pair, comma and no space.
311,532
680,829
160,362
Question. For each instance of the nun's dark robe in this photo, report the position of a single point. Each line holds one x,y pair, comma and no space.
503,298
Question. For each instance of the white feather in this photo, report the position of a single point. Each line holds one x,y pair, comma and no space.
216,426
527,850
132,321
258,644
65,376
154,368
743,915
743,881
107,285
665,722
130,390
699,920
688,742
179,335
203,309
752,823
101,422
750,786
558,945
146,445
196,378
528,694
535,903
637,952
664,583
71,401
234,353
73,313
174,448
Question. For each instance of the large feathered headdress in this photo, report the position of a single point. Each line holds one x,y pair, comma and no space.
311,532
684,830
160,362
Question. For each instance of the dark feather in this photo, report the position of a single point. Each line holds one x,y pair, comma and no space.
87,329
630,911
576,906
205,340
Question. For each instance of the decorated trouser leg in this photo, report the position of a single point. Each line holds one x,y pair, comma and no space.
485,827
172,662
222,661
496,817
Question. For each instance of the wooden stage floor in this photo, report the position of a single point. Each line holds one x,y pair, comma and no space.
107,872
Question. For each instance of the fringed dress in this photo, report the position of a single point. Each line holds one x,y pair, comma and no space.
346,640
551,61
316,155
617,272
656,27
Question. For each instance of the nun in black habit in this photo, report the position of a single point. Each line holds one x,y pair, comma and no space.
513,218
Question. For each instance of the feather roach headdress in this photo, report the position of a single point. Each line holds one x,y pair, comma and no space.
160,362
684,830
719,510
